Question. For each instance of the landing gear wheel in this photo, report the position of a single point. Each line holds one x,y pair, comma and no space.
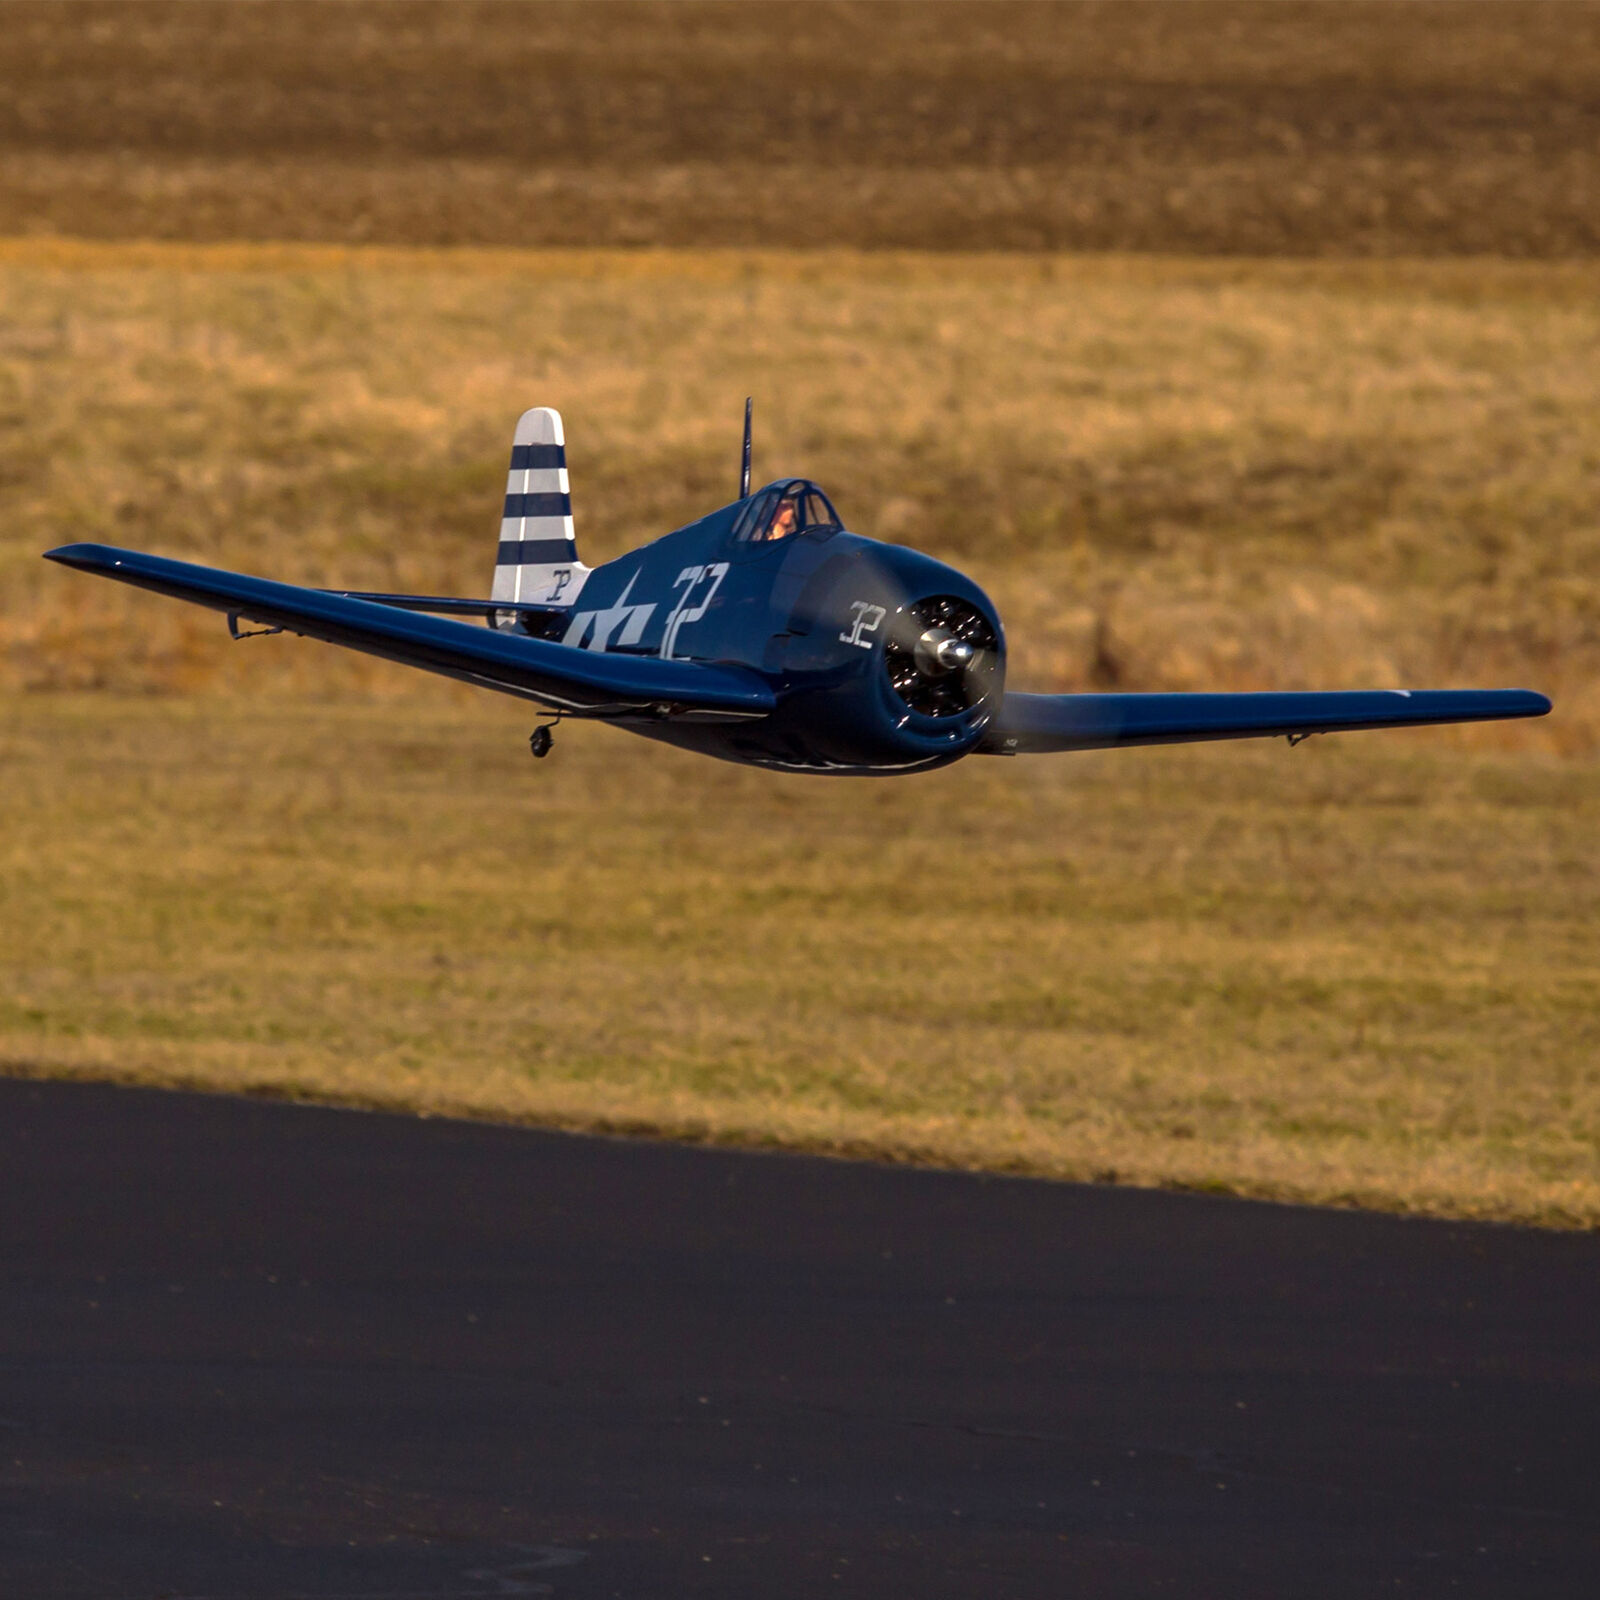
539,742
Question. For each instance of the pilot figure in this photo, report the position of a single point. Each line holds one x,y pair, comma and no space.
785,520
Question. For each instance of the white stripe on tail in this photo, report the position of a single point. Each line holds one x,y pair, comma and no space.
537,563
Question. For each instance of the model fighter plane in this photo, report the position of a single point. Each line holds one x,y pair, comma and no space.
764,633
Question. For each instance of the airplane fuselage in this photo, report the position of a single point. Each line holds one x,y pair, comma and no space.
818,614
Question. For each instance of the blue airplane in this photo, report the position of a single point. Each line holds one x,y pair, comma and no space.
764,633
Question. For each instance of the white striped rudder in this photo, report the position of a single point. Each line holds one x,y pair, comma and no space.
537,562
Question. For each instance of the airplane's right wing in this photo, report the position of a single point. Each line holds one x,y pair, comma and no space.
1027,723
581,682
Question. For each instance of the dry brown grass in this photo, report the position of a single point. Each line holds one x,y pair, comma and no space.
1168,474
1361,973
1365,973
1331,129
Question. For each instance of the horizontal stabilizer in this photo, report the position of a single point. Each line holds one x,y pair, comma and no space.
582,682
443,604
1044,722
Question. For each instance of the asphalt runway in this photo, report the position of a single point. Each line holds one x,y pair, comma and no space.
263,1350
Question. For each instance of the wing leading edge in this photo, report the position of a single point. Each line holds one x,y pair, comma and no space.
582,682
1032,723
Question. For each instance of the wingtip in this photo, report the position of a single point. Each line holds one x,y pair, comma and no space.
1521,703
86,557
75,555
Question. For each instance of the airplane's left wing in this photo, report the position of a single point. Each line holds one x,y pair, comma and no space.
582,682
1028,723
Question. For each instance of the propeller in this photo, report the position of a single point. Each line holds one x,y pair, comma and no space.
942,656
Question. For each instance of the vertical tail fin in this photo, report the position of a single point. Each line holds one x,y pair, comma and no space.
537,562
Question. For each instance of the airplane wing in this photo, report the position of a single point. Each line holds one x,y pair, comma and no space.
581,682
1029,723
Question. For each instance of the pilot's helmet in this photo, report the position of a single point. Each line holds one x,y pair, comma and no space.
785,517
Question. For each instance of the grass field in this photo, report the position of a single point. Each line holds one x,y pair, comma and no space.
1363,972
1169,474
1225,128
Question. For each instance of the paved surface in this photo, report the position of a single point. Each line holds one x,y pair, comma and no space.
253,1350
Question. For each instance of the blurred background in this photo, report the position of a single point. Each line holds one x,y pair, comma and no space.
1256,129
1227,345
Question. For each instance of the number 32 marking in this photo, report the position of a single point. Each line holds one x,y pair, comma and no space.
867,618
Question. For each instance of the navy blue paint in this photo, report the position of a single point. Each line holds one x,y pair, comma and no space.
443,605
764,668
537,457
1041,722
535,552
538,505
603,685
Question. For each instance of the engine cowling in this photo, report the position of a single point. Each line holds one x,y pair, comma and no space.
894,662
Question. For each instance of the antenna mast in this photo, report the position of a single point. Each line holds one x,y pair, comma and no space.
744,460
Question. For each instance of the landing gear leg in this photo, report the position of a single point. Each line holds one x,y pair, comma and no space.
540,740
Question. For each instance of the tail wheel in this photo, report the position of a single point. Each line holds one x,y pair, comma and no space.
942,656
